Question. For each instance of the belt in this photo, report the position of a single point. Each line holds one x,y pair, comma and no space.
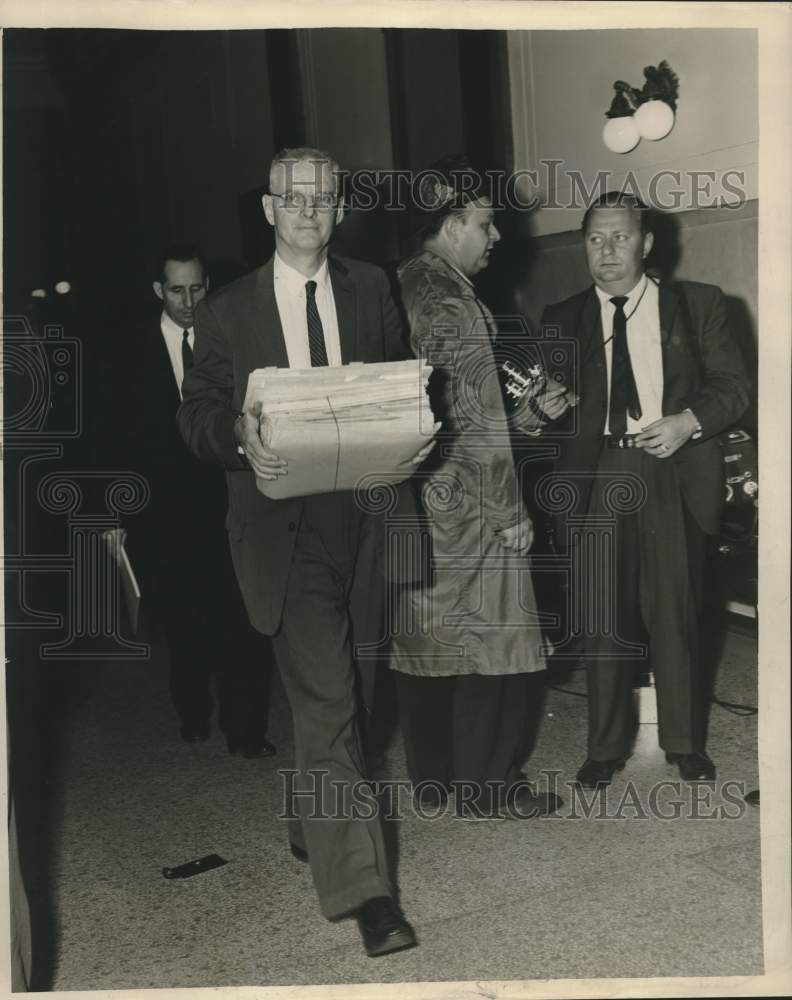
625,441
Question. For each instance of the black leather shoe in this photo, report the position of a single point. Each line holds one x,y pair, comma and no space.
250,749
383,927
429,796
521,803
598,773
299,852
693,766
195,732
527,804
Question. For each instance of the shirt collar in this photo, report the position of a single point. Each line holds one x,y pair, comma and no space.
169,327
463,276
294,282
633,296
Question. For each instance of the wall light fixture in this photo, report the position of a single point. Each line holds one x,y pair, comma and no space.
648,113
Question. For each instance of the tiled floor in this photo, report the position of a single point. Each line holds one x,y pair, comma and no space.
624,894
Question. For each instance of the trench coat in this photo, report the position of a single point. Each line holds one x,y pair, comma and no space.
473,610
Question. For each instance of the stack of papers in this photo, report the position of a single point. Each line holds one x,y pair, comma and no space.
342,428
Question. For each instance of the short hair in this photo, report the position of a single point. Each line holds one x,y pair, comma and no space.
305,154
463,181
619,199
182,252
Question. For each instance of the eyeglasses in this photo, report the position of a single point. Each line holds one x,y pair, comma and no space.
294,201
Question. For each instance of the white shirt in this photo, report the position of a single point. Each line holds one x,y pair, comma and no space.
642,310
173,335
291,299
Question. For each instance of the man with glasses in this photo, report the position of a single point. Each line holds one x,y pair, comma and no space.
299,560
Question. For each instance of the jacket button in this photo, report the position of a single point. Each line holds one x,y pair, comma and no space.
292,526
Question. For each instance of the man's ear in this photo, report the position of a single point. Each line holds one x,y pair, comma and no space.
339,218
450,227
157,286
269,212
648,243
206,282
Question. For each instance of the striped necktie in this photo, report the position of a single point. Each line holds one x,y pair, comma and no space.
316,341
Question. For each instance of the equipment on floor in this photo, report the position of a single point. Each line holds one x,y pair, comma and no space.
195,867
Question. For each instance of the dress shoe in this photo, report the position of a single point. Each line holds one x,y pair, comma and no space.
383,927
195,732
250,748
429,795
299,852
693,766
598,773
527,804
520,803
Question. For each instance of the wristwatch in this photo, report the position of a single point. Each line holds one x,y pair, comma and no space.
240,449
699,429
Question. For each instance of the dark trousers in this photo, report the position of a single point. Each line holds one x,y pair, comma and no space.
196,597
313,650
653,582
469,728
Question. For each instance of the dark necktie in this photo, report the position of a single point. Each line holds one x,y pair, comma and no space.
187,354
316,341
623,394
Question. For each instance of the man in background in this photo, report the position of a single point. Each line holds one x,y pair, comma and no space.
177,544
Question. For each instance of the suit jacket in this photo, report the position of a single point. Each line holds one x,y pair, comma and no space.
702,370
238,330
180,528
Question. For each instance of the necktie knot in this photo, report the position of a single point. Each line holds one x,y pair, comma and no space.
310,289
619,301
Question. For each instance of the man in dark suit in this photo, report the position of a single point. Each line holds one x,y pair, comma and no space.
659,375
177,544
298,559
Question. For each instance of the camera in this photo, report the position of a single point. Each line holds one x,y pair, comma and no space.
42,380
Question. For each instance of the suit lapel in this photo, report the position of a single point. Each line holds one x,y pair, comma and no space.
345,295
669,306
671,339
160,371
269,343
592,349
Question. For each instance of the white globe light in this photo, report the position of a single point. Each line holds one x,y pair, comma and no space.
620,134
63,288
654,120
